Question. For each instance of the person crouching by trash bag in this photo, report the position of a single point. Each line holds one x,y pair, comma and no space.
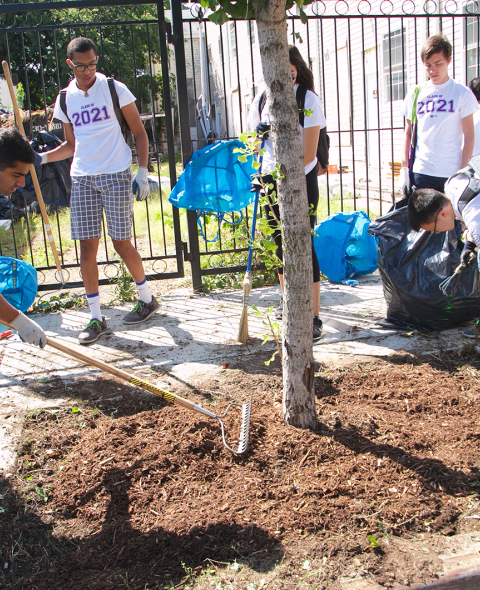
16,156
434,211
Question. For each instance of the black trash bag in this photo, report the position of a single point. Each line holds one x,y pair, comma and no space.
412,266
54,178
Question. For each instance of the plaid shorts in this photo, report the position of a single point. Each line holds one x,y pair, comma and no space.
91,194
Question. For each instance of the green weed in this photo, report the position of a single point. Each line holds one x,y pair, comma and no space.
124,287
273,329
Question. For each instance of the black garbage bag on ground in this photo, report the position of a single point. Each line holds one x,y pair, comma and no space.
54,178
412,266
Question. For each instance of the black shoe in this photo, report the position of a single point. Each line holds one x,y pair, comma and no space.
141,312
278,311
94,329
472,331
317,328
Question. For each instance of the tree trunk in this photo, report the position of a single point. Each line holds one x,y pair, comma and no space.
298,365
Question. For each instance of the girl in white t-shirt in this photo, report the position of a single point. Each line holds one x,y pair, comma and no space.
310,132
445,132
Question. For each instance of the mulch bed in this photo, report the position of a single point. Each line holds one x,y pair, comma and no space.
128,492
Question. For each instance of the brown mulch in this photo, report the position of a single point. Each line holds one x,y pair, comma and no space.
128,492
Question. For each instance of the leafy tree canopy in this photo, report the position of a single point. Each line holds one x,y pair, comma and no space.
223,10
124,51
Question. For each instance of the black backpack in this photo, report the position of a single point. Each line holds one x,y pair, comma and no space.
126,131
323,139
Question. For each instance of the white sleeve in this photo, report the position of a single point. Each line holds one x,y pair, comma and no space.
469,104
58,113
314,104
124,95
471,218
254,115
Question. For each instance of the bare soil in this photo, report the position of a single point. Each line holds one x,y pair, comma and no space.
121,490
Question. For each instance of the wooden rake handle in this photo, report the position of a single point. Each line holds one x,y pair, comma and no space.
36,184
86,358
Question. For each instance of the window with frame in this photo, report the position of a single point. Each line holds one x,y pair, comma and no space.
394,65
233,40
472,26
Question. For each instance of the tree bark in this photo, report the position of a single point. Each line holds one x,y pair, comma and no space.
298,364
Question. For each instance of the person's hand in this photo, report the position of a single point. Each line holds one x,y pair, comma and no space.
140,186
263,129
404,181
256,183
467,256
40,158
29,331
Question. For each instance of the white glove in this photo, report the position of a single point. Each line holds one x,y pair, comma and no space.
140,185
404,180
29,331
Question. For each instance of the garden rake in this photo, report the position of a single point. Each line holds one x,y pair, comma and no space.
446,285
246,408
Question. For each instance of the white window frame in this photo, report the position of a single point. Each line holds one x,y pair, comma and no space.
387,76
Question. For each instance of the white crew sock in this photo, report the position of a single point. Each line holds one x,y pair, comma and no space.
94,304
144,293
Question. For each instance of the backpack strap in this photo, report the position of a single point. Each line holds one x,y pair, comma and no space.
63,102
300,96
115,101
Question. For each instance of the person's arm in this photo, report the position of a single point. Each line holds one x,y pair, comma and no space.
66,149
7,312
468,129
28,330
310,143
407,137
132,117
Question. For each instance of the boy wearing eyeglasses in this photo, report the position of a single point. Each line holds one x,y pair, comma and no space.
102,177
431,210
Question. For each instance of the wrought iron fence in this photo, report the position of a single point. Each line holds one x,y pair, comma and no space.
364,55
132,48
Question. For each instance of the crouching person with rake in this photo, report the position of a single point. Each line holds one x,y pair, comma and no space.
102,176
16,156
434,211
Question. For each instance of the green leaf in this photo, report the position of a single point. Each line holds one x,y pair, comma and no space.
303,16
373,541
75,410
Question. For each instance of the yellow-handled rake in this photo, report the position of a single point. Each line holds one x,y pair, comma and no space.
175,399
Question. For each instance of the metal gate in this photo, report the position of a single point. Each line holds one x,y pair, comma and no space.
131,41
364,54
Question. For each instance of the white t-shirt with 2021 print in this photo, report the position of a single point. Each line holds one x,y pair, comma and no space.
440,110
99,144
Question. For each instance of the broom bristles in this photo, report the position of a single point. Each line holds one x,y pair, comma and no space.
243,327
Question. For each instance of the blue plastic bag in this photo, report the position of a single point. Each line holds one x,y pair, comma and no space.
215,180
344,247
18,282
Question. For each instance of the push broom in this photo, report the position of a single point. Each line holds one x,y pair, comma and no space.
247,281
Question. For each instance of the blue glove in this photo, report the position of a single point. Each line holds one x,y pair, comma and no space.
40,158
262,129
140,186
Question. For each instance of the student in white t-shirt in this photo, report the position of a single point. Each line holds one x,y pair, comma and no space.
445,133
475,88
301,77
102,177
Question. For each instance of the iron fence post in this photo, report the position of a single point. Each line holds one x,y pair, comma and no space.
185,138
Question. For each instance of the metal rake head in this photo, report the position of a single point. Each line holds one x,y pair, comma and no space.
244,428
446,284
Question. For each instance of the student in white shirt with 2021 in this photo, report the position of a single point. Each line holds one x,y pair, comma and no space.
445,131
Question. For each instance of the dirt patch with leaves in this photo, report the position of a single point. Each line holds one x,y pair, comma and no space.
123,491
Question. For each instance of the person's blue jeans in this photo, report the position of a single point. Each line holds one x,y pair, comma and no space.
425,181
